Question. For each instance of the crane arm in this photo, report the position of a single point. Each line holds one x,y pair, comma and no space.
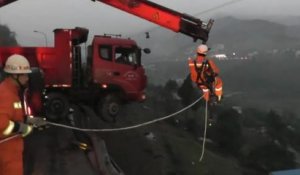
6,2
165,17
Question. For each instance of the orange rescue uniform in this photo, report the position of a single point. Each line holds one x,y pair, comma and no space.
202,81
11,152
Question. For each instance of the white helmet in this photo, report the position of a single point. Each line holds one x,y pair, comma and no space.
202,49
17,64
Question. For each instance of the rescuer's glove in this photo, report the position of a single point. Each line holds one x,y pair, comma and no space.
22,128
35,121
219,98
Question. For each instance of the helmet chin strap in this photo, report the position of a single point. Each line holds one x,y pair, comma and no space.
18,81
201,54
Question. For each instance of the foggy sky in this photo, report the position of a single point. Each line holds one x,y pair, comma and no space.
25,16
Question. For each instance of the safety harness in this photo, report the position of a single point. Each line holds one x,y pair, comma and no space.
208,78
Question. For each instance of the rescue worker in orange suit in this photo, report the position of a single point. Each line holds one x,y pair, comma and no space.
12,115
204,73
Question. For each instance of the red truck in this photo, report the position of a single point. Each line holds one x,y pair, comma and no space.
112,73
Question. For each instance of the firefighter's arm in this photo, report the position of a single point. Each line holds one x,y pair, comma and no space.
5,127
214,67
219,88
192,69
22,128
5,111
9,127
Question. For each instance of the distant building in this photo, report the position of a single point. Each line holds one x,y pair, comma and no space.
286,172
220,56
253,54
218,47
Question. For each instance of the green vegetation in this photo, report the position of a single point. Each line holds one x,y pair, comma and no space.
7,37
249,142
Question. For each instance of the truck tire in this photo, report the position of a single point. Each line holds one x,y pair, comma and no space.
57,107
78,118
109,107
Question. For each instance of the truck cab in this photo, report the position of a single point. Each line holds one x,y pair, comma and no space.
115,64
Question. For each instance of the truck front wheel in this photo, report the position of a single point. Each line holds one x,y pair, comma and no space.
109,107
57,107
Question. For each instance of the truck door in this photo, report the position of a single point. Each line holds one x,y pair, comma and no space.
102,63
128,70
119,66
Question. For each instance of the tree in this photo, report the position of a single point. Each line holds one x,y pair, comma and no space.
170,100
228,131
187,93
276,128
7,37
271,157
253,118
171,86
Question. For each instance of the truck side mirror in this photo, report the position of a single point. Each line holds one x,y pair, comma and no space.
147,50
147,35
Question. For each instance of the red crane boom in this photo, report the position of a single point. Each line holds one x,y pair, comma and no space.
163,16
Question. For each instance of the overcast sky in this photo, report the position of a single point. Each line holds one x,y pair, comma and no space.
25,16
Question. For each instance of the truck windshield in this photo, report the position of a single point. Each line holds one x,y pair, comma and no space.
127,56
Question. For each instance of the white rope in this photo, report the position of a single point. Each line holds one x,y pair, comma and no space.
9,138
114,129
129,127
204,135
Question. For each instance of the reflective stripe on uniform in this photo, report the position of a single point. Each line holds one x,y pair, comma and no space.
218,89
9,128
197,64
17,105
205,90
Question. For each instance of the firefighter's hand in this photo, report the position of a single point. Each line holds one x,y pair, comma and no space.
219,98
24,129
35,121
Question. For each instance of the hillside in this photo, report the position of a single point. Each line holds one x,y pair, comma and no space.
240,36
244,36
